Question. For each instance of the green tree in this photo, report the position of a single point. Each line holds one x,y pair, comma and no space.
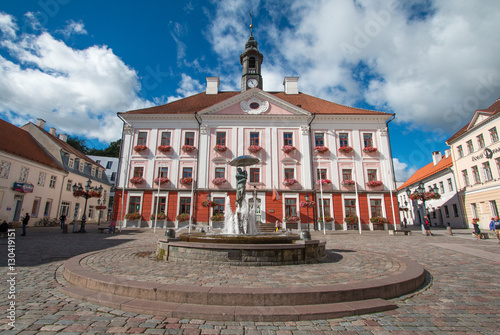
113,150
78,143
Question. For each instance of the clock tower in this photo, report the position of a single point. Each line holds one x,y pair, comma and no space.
251,59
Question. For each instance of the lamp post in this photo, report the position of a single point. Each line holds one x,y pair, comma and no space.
87,193
421,190
208,208
307,201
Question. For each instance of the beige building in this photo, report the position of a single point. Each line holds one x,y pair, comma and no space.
475,151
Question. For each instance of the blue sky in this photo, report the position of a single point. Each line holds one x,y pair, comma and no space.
77,63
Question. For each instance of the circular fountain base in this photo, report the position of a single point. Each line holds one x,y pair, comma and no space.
250,250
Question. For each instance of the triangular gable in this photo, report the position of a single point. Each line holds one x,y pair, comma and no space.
254,102
479,116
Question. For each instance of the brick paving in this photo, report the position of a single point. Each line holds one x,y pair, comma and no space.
462,293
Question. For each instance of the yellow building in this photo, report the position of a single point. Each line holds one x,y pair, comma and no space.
475,151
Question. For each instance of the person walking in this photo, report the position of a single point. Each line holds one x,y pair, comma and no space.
25,223
62,218
277,225
427,226
405,222
495,227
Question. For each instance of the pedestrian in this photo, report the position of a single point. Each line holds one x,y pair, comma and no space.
277,225
4,227
477,231
427,226
405,222
62,218
495,227
112,226
25,223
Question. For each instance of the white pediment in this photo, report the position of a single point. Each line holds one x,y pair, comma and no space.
478,118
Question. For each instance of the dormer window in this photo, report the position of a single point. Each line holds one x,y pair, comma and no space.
81,166
99,173
93,171
71,163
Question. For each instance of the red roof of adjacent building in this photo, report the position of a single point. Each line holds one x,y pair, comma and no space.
198,102
427,171
493,109
19,142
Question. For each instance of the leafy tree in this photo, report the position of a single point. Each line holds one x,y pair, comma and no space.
78,143
113,150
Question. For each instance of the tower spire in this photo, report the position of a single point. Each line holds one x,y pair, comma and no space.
251,24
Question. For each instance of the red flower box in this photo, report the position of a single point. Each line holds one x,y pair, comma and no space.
182,217
140,148
346,150
292,219
208,203
351,219
133,216
137,180
165,148
309,204
374,183
323,181
254,149
186,181
161,180
188,148
321,149
220,148
289,182
369,149
219,181
348,182
288,148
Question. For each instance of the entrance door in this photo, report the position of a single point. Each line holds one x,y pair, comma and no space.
19,205
77,209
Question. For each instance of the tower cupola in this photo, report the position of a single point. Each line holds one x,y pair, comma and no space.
251,59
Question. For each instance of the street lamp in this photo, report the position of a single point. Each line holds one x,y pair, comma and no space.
208,208
421,190
307,200
89,192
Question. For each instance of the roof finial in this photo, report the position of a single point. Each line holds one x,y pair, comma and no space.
251,25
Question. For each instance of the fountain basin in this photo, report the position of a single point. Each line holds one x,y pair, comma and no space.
240,239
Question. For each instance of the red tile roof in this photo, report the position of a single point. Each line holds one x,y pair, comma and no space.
427,171
19,142
198,102
493,109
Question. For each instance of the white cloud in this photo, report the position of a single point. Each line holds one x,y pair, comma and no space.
78,92
402,171
8,25
187,87
77,28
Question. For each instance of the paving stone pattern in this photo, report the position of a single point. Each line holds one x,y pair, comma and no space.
462,293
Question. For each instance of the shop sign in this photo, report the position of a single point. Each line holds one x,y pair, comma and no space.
487,153
23,187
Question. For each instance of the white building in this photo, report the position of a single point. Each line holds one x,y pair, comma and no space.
111,166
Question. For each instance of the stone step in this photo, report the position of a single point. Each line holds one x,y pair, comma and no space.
230,313
266,227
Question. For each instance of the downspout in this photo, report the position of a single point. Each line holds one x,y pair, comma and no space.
127,167
393,177
312,172
197,166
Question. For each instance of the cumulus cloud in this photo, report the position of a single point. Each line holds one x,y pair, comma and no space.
8,25
74,28
187,87
77,91
402,171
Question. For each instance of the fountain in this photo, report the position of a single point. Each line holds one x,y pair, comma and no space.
240,243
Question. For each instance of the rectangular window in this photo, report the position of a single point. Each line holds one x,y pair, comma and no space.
220,138
376,207
497,161
219,206
487,171
460,151
185,205
163,172
475,175
493,208
71,163
344,140
446,211
109,164
53,180
65,208
81,165
372,175
473,208
254,138
220,172
346,174
189,138
368,140
142,138
289,174
161,202
69,185
187,172
287,138
493,135
138,171
350,207
254,175
93,171
36,206
480,141
99,174
113,176
4,169
441,187
48,207
465,177
326,205
455,210
134,205
23,177
290,207
165,138
41,179
450,184
470,146
321,174
319,139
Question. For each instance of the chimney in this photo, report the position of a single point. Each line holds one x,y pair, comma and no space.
212,85
436,157
40,123
447,153
63,137
52,131
291,85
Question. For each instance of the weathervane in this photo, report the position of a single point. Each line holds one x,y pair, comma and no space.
251,25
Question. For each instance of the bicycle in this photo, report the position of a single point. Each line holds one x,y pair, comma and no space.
47,222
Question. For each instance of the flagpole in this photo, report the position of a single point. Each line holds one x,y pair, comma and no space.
392,200
322,206
191,207
357,198
158,196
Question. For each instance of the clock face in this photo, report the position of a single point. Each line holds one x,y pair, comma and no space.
252,82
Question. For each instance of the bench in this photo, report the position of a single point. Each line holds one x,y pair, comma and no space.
401,231
102,229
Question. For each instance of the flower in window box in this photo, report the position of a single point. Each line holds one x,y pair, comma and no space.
188,148
182,217
217,217
346,150
378,220
327,219
78,193
162,180
219,181
186,181
289,182
321,149
254,148
309,204
288,148
291,219
220,148
369,149
165,148
425,195
140,148
137,180
133,216
161,216
94,194
351,219
323,181
208,203
374,183
348,182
